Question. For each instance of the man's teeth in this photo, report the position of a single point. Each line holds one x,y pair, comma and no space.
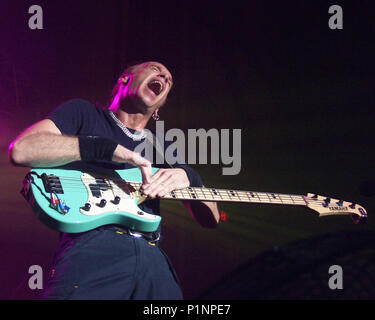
156,86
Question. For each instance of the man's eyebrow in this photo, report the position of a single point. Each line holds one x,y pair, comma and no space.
155,65
160,69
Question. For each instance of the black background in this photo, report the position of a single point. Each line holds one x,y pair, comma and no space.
301,93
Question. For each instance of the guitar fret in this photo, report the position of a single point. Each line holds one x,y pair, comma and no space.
299,200
274,199
228,194
202,193
206,193
286,199
291,198
251,196
280,199
248,196
241,195
180,194
261,197
217,194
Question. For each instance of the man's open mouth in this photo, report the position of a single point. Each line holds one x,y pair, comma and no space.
155,86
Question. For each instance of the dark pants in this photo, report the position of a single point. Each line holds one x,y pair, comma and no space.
107,264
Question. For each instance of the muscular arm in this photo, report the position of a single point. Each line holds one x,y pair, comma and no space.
43,145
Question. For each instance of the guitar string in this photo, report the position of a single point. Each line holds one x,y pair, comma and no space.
298,200
122,181
261,196
265,195
243,194
201,195
204,192
180,195
301,200
186,195
196,191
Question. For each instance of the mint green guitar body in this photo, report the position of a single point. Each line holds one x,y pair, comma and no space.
74,201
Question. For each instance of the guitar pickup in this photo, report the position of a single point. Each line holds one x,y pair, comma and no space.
96,188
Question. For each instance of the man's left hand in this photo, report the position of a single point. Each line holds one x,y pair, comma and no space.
165,181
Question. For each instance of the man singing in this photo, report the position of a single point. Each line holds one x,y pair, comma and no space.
109,262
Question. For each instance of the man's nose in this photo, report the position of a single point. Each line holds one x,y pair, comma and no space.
165,77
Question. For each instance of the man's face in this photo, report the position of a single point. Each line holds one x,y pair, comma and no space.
149,85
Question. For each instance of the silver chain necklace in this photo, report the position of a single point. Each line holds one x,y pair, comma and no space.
133,136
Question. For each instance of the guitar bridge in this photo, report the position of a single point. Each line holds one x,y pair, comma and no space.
52,184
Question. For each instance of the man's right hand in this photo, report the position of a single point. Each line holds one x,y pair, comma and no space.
123,154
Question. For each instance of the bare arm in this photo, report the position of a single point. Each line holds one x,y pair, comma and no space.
206,213
43,145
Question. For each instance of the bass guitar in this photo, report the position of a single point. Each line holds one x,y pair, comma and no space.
74,201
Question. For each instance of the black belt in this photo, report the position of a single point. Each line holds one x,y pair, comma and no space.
149,236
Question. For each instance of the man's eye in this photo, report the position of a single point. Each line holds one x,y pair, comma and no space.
154,68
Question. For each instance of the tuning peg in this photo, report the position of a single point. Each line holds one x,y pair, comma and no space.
352,206
326,202
340,202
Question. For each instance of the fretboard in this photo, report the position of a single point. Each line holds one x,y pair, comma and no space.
227,195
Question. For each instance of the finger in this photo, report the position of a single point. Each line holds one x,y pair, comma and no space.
144,165
158,175
164,183
161,191
146,174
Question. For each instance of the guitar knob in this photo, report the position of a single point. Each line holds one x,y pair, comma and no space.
102,203
116,200
87,207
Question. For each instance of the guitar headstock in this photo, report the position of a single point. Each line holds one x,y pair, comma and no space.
326,206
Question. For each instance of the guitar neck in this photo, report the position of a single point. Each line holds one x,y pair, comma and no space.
228,195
